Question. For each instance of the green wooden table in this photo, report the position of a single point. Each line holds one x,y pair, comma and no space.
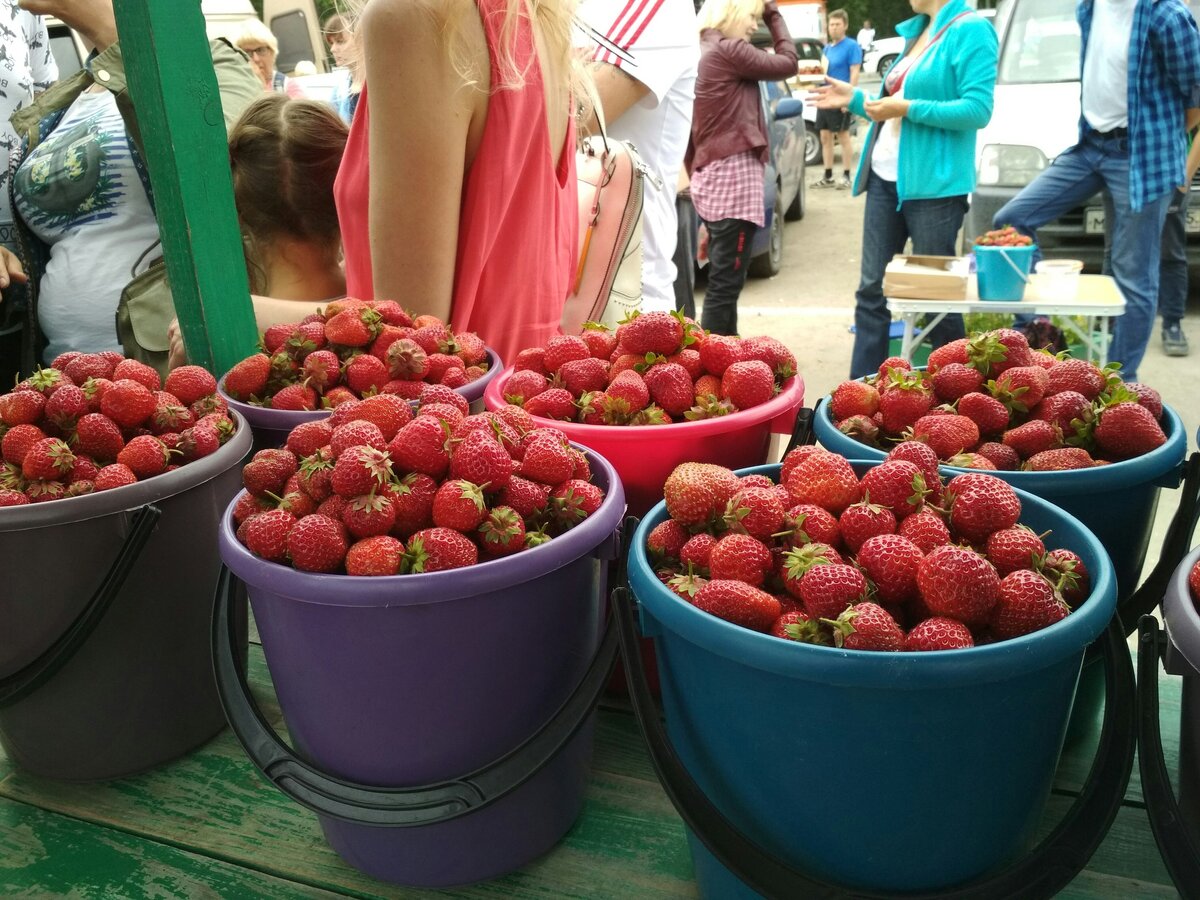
208,826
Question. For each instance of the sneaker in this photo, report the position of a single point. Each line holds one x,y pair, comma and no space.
824,183
843,183
1174,341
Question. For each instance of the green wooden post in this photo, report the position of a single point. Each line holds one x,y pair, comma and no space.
170,75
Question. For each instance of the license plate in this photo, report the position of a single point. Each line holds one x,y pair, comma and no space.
1093,221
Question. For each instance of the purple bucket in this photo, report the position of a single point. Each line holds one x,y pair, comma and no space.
412,680
271,427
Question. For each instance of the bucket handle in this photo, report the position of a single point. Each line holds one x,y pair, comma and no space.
1175,547
1042,873
1179,851
360,804
802,430
1012,265
22,683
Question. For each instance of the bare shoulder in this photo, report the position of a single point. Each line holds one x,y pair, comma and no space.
448,31
424,18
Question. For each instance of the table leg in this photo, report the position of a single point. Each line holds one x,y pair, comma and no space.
906,341
1104,341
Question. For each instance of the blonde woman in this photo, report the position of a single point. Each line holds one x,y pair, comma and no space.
728,153
258,42
457,193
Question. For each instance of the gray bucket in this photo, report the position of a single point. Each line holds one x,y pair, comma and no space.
105,668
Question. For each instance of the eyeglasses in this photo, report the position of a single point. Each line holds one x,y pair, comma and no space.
257,51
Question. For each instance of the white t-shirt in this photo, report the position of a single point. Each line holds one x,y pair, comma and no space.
79,192
865,36
1106,66
27,67
885,153
664,41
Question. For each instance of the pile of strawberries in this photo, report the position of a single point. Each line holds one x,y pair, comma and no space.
1003,237
892,561
656,368
1194,584
95,421
354,349
989,401
375,489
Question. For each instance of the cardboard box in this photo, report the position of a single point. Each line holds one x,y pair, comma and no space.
926,278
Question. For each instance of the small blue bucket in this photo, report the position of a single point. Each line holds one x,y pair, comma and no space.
886,771
1003,272
1116,502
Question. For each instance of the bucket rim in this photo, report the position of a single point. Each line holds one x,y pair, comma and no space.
428,588
1116,475
905,670
789,399
1180,613
131,496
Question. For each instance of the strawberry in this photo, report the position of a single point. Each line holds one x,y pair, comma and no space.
948,435
190,383
926,529
439,393
98,436
212,403
481,459
748,383
552,403
740,557
893,366
697,550
938,633
169,414
113,476
48,459
951,354
1020,388
574,500
863,520
412,498
405,359
1027,602
739,603
665,540
1068,574
547,459
356,434
392,313
695,493
798,625
43,491
719,352
1032,437
84,469
904,403
1063,409
438,549
139,372
771,351
1077,375
532,358
671,387
853,398
958,583
866,626
956,379
971,461
276,336
502,531
580,376
981,504
1128,429
45,382
12,498
89,365
1015,349
17,442
563,347
528,498
524,384
65,407
294,397
353,327
146,456
375,556
265,534
1002,456
627,393
1147,397
689,358
1194,582
809,523
128,403
757,511
21,408
1010,549
268,471
359,470
309,437
421,446
896,484
445,413
200,440
365,374
892,563
828,590
369,514
600,340
652,332
471,348
922,456
317,543
826,480
459,505
1059,460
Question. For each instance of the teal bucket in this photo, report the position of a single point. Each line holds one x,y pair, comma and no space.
878,771
1003,272
1116,502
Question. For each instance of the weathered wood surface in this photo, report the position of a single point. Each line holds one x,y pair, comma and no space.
207,825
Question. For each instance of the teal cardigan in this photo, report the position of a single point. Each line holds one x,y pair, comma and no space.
951,89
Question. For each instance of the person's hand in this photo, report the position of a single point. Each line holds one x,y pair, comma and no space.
177,353
886,108
94,19
833,94
702,244
10,268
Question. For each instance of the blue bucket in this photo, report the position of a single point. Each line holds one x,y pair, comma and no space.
1116,502
961,746
1003,272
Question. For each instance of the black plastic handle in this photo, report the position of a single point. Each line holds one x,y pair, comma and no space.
1042,873
22,683
1176,545
389,807
1179,851
802,430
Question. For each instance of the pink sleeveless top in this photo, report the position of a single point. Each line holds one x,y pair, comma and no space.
518,231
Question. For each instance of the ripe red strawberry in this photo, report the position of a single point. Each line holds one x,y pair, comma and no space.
438,549
1194,582
739,603
671,387
740,557
989,414
797,625
84,469
981,504
1068,574
139,372
757,511
528,498
21,408
114,475
12,498
356,434
128,403
905,402
412,498
359,470
317,543
421,446
926,529
579,376
652,332
1002,456
405,359
748,383
697,550
896,484
552,403
170,415
1015,350
891,562
547,458
309,437
98,436
190,383
948,435
600,340
48,459
574,500
295,397
951,354
826,480
863,520
375,556
369,514
1127,430
268,471
938,633
1010,549
792,565
867,626
1060,459
365,374
265,534
89,365
533,358
719,352
353,327
146,456
439,393
627,393
322,369
446,413
853,398
502,531
809,523
481,459
200,440
17,442
248,379
1032,437
828,590
1077,375
772,351
563,347
958,583
43,491
955,379
689,358
392,313
1064,408
1147,397
524,384
276,336
695,493
665,540
1027,602
459,505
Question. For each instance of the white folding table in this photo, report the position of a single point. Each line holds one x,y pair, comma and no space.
1098,298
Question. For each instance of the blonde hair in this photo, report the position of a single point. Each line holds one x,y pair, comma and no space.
254,31
720,14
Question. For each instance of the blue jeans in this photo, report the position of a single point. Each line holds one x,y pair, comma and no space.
933,226
1097,163
1173,273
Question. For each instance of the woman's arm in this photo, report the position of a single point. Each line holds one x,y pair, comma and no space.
421,114
759,65
974,64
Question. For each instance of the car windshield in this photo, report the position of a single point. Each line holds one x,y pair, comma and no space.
1041,44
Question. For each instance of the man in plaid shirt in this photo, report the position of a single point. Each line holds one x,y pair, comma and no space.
1140,70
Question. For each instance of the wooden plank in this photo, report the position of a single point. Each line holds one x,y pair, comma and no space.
1128,852
43,855
169,69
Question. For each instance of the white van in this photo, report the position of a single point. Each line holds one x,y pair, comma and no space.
1035,118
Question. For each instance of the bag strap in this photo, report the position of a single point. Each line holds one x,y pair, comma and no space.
133,271
20,684
1179,851
1042,873
361,804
